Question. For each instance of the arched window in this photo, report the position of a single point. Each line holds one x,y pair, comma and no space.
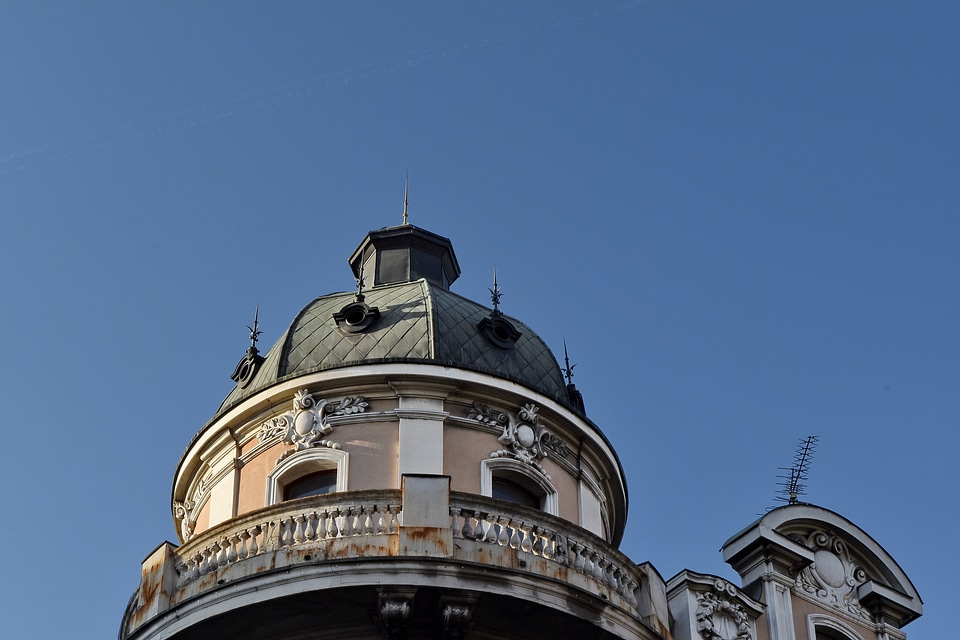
822,627
308,473
517,482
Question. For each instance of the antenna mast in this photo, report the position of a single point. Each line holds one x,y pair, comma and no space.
793,483
406,189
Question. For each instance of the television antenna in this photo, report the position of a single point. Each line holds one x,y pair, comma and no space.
793,481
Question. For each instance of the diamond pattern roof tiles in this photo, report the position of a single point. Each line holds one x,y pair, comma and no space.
418,322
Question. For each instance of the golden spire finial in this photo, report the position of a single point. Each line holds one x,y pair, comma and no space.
406,189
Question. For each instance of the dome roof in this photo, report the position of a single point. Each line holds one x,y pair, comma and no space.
417,322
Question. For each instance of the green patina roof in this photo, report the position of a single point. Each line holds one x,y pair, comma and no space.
419,322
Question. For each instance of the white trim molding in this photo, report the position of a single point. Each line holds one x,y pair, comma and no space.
819,621
303,463
506,467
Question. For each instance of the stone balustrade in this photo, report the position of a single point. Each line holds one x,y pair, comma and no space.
377,524
310,522
529,531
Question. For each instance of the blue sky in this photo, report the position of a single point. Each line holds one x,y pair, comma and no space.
742,217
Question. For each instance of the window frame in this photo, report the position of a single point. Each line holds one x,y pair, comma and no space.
818,622
304,463
522,474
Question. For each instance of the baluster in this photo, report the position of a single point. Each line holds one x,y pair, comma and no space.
332,530
349,517
455,522
477,533
549,549
595,559
526,544
311,531
560,550
181,573
298,528
537,541
286,531
321,524
575,549
367,521
467,525
394,510
197,565
491,536
584,559
514,536
205,567
618,580
232,541
220,555
379,517
604,565
242,538
504,538
611,575
254,532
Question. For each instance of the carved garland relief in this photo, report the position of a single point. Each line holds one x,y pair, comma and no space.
719,617
527,439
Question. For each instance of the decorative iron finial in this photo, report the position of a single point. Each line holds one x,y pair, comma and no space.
359,279
250,362
406,190
255,329
495,293
568,368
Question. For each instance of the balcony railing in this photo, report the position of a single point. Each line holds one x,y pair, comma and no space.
528,531
357,525
307,522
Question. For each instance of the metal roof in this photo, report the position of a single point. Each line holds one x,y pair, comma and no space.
419,322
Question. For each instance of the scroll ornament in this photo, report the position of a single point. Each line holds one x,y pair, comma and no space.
305,426
182,514
834,575
526,438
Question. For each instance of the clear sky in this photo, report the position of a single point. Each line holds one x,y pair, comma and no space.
741,216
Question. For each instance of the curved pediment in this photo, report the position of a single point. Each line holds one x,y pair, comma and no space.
829,559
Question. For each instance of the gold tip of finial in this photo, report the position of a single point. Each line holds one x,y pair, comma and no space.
406,190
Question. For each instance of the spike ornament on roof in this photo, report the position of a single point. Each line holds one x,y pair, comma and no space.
495,293
250,363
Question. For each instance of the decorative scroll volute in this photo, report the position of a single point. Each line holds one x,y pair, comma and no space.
306,424
834,575
527,439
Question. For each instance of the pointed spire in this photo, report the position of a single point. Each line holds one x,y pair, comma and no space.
495,293
406,190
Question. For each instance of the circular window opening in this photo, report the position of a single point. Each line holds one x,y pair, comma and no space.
355,317
501,333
